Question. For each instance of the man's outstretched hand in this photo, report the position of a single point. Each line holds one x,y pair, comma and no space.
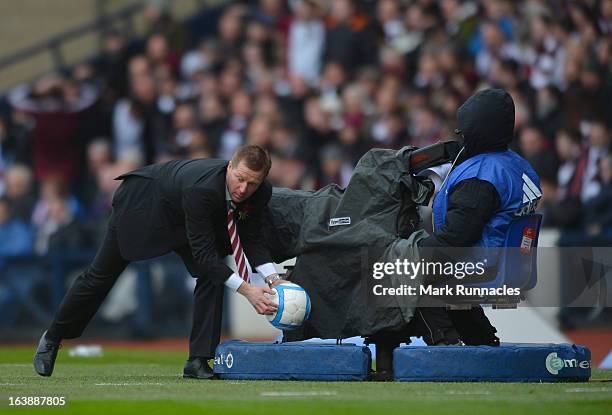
256,296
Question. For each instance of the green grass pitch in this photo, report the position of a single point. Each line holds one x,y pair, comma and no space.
149,382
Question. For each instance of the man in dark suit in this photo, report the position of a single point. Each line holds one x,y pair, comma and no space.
201,209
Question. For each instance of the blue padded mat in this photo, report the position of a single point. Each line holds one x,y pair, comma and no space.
237,359
511,362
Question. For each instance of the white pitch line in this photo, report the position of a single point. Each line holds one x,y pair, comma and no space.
298,394
126,384
588,390
451,392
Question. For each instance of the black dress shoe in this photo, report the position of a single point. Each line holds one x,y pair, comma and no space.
197,368
46,353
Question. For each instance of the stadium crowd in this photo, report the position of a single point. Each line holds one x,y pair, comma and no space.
317,83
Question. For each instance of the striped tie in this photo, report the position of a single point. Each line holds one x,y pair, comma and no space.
239,257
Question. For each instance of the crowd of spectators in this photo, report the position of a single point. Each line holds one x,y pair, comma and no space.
317,83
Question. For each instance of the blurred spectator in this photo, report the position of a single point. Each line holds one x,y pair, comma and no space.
331,85
229,31
569,149
213,120
425,128
195,64
20,191
561,203
274,13
599,141
605,16
334,167
284,141
537,150
545,55
138,125
306,41
429,74
183,122
460,17
579,176
389,130
588,93
261,34
13,149
318,129
547,110
57,106
256,67
18,273
52,188
353,144
495,44
99,158
351,38
597,212
15,235
389,15
259,132
241,109
159,19
267,106
290,172
101,192
168,97
197,146
160,55
354,106
111,66
59,231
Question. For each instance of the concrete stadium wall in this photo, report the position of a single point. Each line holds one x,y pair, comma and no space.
28,22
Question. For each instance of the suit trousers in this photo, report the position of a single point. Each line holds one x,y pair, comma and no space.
92,286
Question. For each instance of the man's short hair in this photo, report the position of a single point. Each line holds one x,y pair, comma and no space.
255,158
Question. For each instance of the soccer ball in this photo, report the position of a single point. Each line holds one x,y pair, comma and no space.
293,306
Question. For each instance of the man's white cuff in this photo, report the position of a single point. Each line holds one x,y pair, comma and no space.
234,282
266,269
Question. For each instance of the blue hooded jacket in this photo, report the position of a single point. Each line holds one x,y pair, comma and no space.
486,120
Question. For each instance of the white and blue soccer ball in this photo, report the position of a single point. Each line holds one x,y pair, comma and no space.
293,306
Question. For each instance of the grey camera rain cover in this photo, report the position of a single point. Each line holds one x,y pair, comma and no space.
338,234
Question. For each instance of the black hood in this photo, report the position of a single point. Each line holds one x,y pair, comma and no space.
486,121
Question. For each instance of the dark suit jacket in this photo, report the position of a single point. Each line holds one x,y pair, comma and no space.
181,206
